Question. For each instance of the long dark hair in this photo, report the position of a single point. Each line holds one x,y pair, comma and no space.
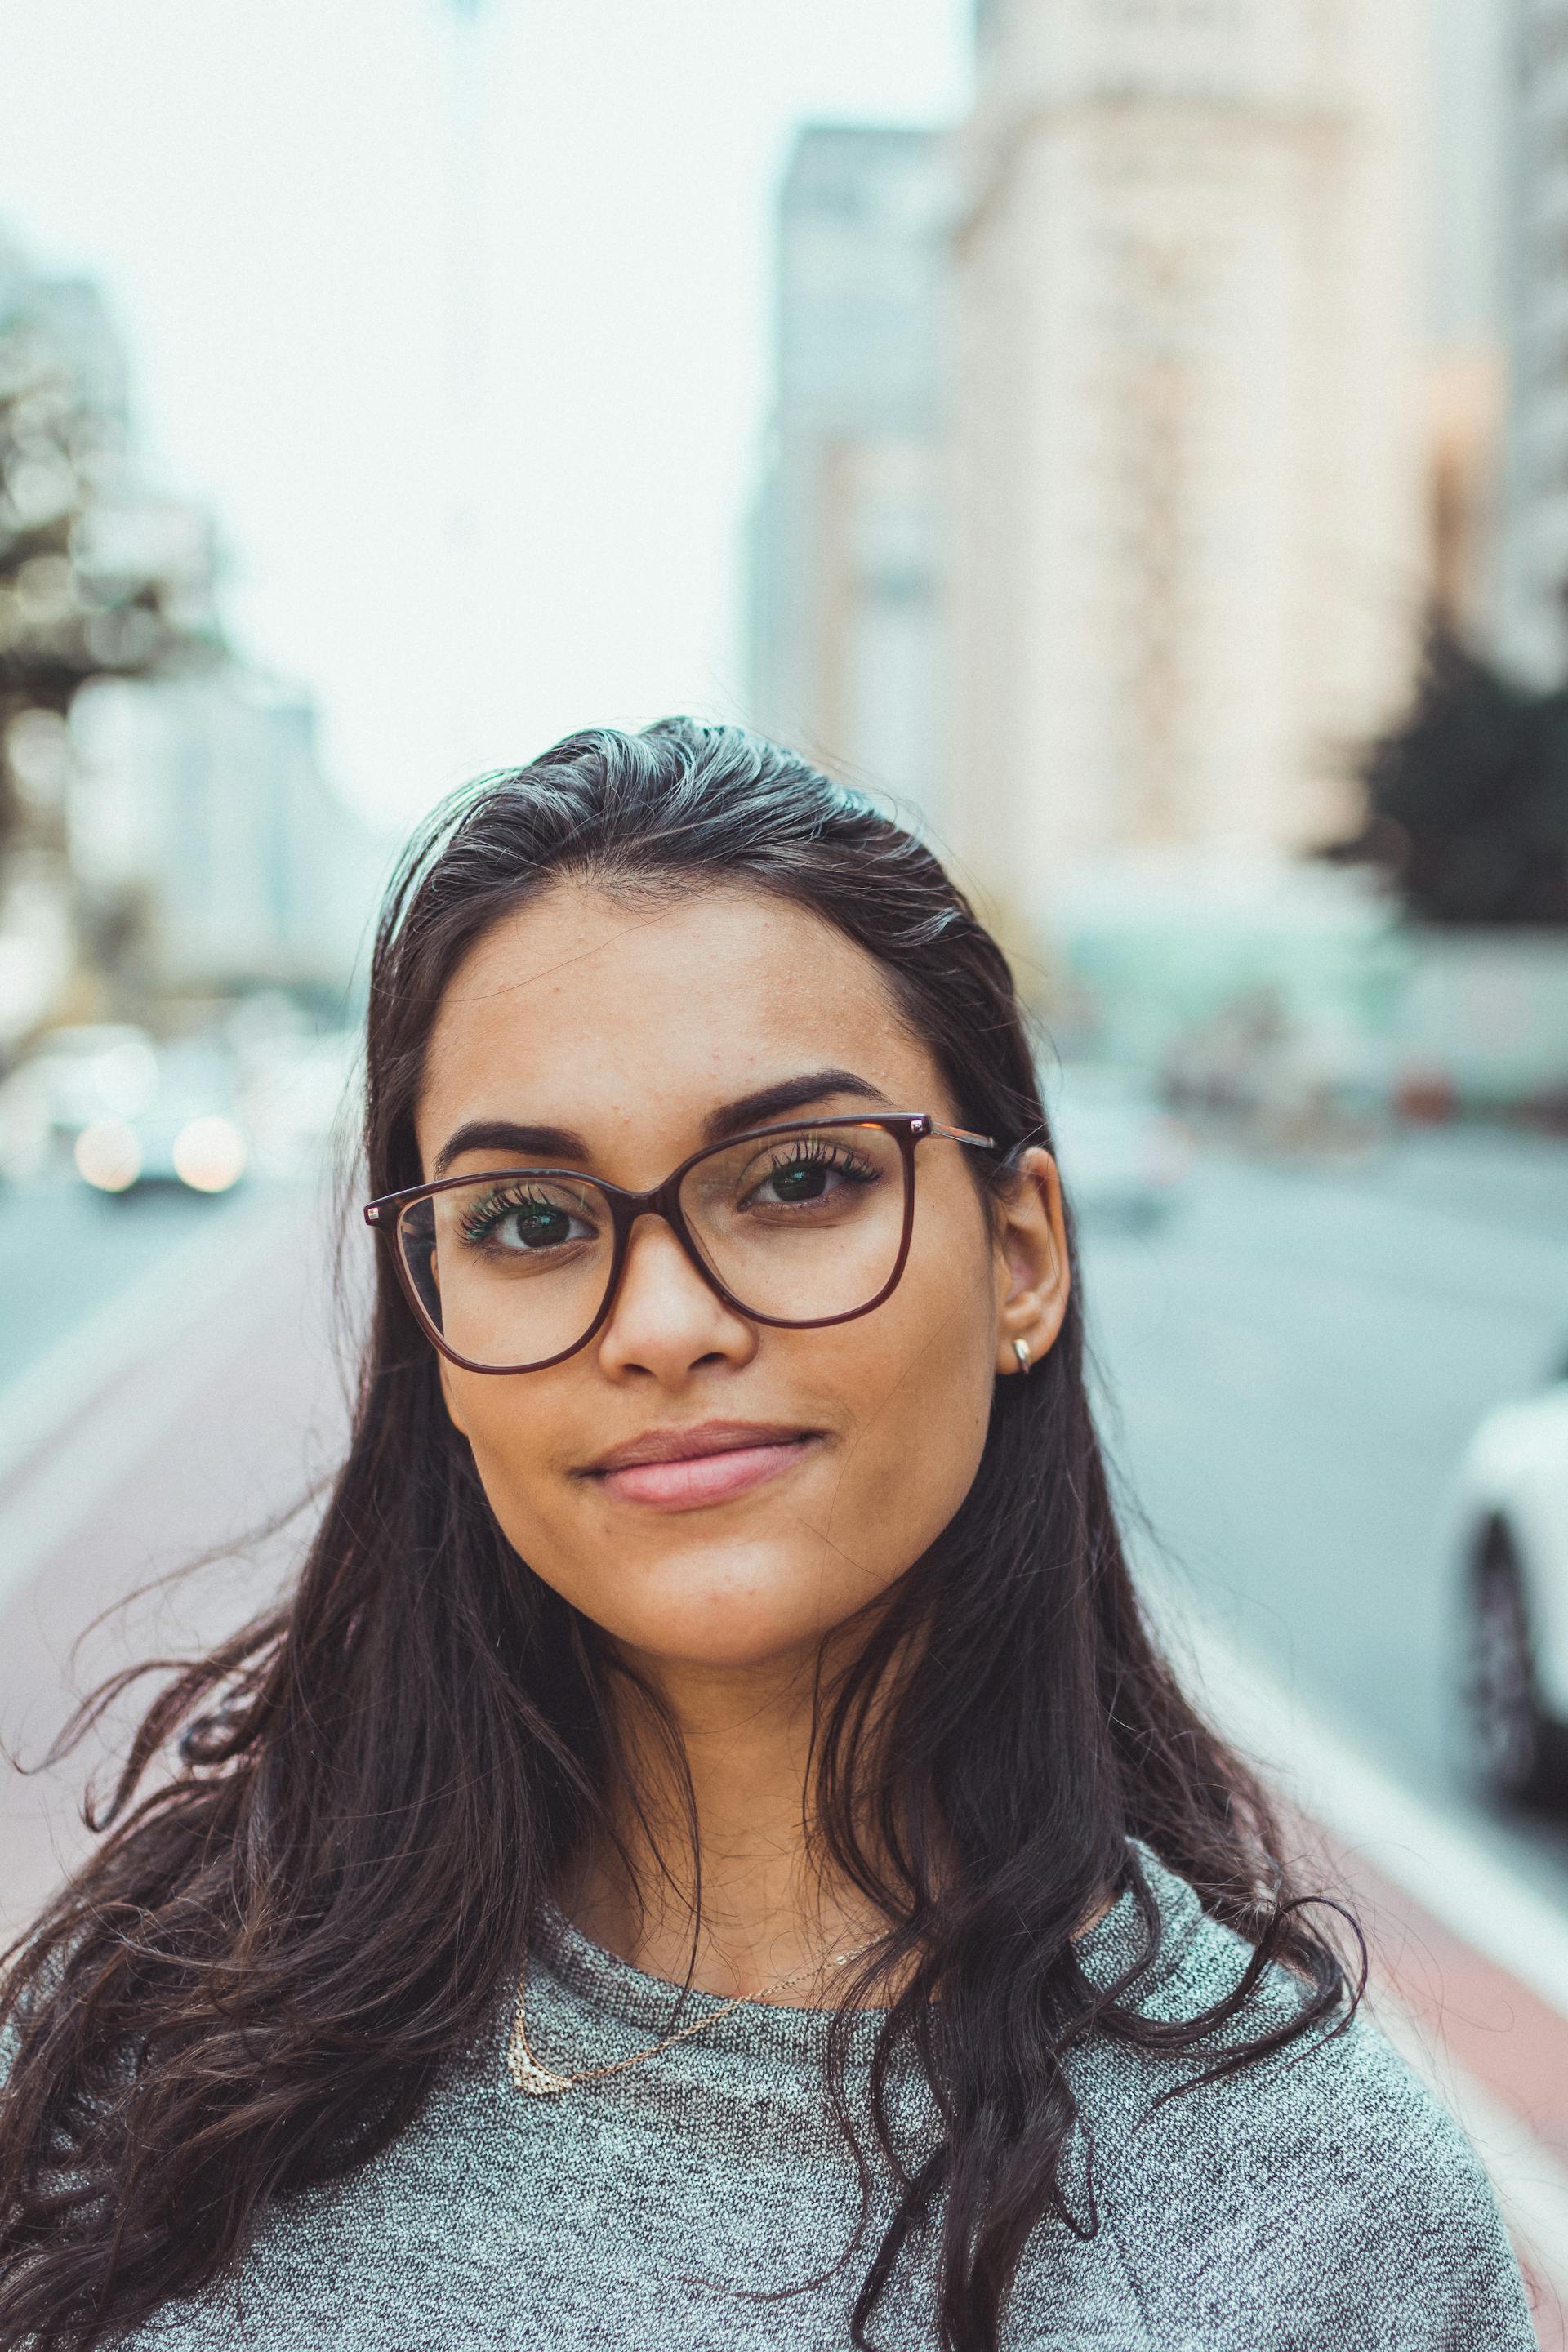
362,1797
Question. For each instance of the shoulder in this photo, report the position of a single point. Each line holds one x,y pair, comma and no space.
1321,2191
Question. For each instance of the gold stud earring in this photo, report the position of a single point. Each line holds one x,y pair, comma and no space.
1021,1350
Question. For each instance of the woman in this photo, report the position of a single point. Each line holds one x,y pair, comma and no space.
709,1854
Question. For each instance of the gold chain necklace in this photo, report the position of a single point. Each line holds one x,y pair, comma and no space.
540,2082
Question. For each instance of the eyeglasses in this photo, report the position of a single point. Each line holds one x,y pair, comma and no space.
794,1225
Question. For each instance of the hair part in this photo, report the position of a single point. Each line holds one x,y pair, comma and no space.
254,1981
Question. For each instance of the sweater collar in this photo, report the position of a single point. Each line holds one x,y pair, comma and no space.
600,1981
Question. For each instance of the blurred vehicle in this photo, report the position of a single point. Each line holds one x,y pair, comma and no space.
1122,1156
87,1071
1509,1544
186,1131
26,1134
93,1069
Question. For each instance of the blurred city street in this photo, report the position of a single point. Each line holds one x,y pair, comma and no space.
1294,1361
65,1251
1128,443
184,1391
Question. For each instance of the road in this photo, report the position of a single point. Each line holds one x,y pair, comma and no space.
200,1393
1290,1366
64,1250
1288,1369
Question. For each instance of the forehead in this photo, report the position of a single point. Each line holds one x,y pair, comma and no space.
621,1014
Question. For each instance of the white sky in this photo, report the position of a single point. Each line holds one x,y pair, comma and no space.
270,195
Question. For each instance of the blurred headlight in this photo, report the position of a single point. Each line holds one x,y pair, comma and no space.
209,1155
108,1155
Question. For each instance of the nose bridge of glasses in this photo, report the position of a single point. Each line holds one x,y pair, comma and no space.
661,1204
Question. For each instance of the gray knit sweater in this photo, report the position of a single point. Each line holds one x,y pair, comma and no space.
704,2201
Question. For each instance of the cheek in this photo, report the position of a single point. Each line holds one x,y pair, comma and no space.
920,1404
509,1437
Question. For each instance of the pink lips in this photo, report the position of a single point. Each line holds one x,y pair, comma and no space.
707,1464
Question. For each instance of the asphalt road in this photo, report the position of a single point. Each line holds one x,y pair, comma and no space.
1289,1368
1292,1365
185,1396
65,1250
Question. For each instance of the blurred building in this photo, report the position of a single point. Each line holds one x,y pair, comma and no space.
848,535
164,824
1192,526
1466,393
1470,78
209,853
1532,556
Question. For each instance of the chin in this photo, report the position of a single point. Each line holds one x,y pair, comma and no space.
728,1618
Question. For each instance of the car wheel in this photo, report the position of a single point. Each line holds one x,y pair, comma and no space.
1518,1748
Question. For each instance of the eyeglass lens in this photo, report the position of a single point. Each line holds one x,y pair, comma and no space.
798,1226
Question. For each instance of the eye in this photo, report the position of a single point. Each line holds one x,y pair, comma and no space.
524,1219
806,1173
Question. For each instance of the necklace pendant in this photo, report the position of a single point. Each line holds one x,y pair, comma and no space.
525,2068
529,2076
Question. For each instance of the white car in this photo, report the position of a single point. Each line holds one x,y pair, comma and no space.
1510,1537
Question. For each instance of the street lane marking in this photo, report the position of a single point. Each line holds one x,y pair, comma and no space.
48,1508
160,1304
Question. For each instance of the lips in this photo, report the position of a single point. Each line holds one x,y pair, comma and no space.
680,1470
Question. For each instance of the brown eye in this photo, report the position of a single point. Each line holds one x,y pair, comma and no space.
522,1220
808,1173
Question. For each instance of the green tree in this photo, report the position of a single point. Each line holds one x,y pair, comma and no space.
1467,799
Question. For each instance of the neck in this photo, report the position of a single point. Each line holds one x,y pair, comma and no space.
717,1872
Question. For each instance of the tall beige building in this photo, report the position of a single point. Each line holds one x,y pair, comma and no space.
847,656
1191,534
1532,552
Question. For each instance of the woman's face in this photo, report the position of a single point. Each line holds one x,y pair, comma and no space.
631,1024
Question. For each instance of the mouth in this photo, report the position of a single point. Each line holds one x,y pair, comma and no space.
682,1470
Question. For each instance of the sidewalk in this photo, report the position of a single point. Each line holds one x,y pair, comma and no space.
1469,1967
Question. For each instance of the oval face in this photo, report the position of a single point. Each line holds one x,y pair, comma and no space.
707,1486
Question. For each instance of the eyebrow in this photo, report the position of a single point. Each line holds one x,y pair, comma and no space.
789,1093
536,1143
548,1144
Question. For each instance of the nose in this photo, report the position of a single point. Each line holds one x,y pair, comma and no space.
666,1320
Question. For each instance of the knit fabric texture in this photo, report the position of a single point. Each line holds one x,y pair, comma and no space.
705,2202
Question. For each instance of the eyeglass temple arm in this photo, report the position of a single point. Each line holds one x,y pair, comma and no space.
963,1135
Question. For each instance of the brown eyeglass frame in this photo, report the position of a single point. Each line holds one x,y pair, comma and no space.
908,1127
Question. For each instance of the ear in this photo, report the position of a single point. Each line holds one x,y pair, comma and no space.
1031,1252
